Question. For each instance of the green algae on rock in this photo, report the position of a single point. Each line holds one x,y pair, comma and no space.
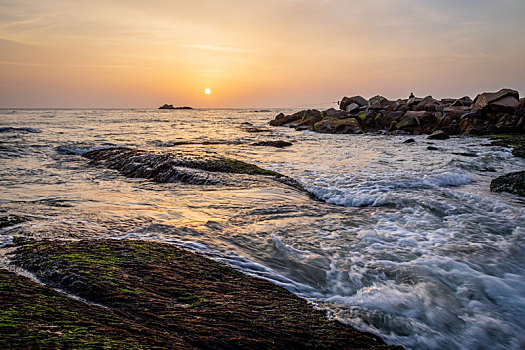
516,142
178,294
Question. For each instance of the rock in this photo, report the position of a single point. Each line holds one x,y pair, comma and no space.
166,106
346,101
438,135
465,101
409,141
466,154
178,167
522,102
331,113
338,126
417,122
352,107
427,104
383,121
503,100
253,130
283,120
413,102
401,105
410,121
10,220
473,126
447,101
154,296
379,102
310,117
279,144
512,183
432,148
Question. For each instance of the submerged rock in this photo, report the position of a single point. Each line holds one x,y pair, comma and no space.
279,144
512,183
10,220
438,135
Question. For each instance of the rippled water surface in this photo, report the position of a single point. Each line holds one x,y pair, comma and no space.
405,242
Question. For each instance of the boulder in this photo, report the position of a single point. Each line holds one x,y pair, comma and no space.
438,135
352,107
503,100
384,120
401,105
465,101
379,102
332,113
338,126
310,117
409,122
428,104
286,120
409,141
447,101
473,126
522,103
413,102
278,143
358,100
512,183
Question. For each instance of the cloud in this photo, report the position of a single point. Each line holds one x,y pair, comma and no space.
215,48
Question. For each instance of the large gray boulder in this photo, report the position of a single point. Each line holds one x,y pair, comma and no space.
503,100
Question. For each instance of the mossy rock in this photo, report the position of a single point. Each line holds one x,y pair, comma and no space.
174,295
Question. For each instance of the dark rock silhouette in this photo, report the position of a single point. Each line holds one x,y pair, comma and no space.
489,113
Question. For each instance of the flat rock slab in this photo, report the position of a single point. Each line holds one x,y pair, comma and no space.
162,294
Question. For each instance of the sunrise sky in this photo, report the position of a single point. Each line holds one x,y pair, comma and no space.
255,53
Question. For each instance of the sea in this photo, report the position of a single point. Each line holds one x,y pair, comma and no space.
404,240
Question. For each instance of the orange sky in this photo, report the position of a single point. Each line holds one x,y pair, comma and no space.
254,53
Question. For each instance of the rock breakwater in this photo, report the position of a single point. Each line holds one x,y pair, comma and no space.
489,113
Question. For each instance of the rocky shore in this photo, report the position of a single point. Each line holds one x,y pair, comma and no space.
497,115
501,112
138,294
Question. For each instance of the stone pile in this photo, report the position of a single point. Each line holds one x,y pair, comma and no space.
489,113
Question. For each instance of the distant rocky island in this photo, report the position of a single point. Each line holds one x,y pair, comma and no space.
501,112
167,106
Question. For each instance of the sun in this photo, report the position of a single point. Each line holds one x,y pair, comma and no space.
207,91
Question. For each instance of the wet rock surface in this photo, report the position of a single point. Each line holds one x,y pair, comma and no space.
278,144
512,183
489,113
10,220
185,167
154,295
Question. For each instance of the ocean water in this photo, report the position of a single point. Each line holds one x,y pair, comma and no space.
392,238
